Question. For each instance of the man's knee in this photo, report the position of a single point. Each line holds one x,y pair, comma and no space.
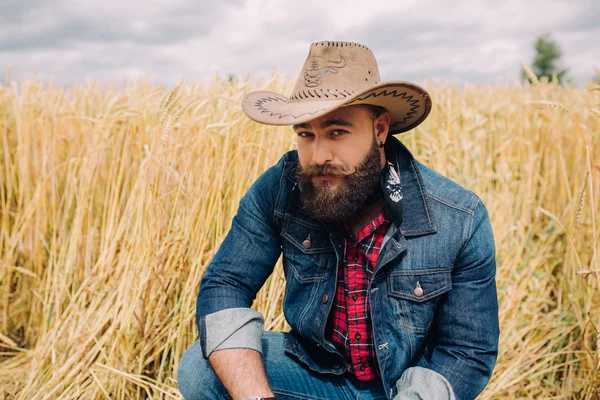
196,378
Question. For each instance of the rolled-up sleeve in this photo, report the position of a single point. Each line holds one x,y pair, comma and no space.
239,269
234,328
419,383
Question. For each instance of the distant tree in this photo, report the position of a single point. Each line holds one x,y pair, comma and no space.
547,55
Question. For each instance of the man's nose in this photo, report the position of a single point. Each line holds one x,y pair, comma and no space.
322,153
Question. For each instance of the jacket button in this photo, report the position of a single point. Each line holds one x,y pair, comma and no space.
306,244
418,291
325,299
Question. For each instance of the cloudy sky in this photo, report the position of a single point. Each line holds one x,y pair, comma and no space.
117,40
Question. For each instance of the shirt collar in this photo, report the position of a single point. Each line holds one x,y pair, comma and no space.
369,228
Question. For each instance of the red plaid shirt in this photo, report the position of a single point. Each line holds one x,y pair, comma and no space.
349,324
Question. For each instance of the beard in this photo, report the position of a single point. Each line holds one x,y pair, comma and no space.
331,201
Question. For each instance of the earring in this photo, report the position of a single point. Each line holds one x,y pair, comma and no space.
380,144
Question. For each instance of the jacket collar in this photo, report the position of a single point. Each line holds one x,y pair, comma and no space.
417,218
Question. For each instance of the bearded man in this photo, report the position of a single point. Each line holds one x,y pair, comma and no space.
389,266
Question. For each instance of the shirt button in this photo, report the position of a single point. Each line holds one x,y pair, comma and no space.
355,258
362,367
357,336
325,299
354,296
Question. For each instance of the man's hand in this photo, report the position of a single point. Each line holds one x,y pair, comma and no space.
242,373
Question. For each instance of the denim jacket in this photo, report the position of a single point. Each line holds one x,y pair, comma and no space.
438,344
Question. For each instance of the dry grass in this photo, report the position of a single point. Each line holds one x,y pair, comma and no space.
113,201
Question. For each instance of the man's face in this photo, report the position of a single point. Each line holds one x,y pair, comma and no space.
340,162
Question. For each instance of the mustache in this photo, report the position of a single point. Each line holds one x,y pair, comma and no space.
316,170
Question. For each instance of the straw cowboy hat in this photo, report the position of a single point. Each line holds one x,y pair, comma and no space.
334,75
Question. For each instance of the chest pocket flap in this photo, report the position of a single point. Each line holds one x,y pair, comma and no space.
307,252
308,239
420,285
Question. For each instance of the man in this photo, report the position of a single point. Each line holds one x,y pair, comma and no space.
390,267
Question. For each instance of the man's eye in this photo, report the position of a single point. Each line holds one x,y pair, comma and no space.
305,134
338,132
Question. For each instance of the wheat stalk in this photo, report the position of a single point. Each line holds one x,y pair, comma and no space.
551,104
580,202
530,74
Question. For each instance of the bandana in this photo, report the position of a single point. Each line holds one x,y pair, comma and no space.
391,189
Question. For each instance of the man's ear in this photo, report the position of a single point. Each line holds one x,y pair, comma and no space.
382,127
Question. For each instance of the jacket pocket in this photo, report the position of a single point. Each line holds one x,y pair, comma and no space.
307,250
414,295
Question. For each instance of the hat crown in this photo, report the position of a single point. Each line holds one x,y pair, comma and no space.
335,70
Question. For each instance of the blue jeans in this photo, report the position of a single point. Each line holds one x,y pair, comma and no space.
288,378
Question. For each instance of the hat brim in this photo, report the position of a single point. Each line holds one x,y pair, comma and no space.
407,104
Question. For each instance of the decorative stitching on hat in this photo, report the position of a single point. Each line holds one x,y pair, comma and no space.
263,100
414,103
318,67
340,44
305,94
259,104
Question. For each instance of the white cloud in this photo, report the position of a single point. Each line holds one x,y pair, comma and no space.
112,40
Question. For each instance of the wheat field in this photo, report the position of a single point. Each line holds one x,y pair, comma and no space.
113,199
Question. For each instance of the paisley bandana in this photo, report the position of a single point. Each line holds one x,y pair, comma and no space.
391,189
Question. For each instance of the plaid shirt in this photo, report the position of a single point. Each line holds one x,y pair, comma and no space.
349,324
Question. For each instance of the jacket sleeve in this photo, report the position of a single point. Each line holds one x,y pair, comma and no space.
466,327
238,270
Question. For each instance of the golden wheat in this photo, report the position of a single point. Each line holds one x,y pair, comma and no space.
552,104
113,201
530,74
